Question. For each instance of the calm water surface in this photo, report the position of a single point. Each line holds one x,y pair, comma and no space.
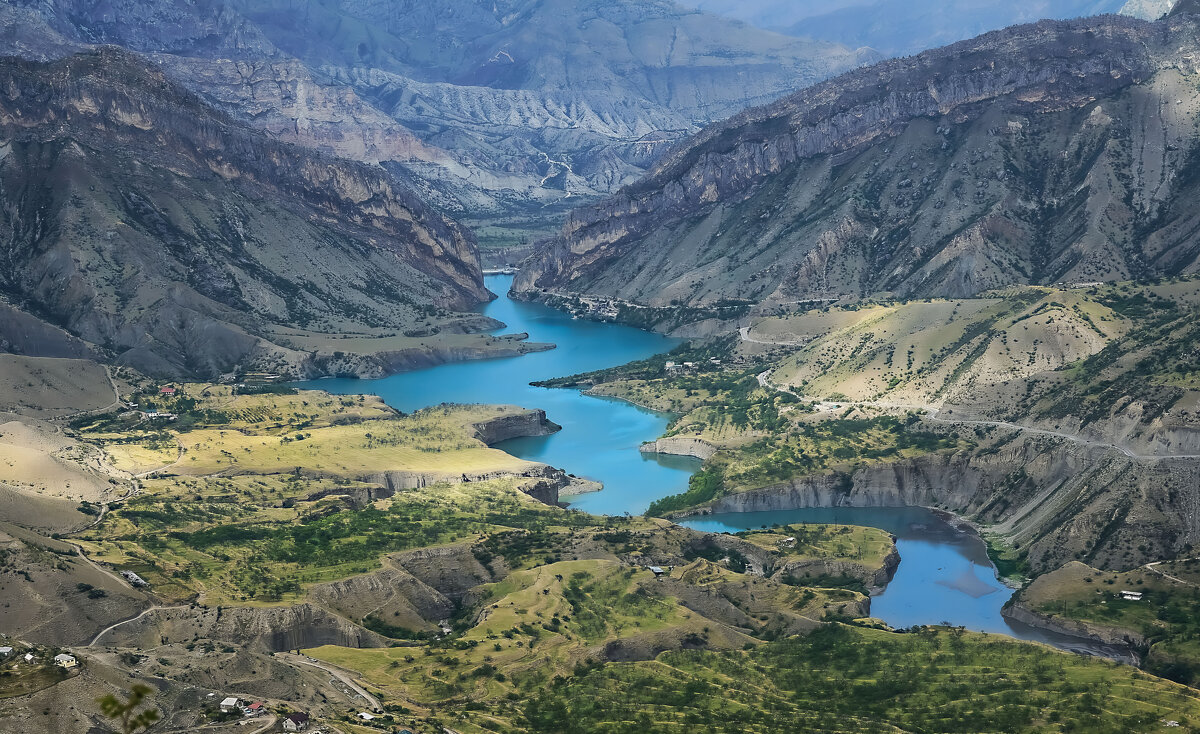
944,573
600,437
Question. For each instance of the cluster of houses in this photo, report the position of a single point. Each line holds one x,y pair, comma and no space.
167,392
597,308
674,368
63,660
291,722
151,415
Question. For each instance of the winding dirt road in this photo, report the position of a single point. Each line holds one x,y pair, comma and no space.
336,673
144,612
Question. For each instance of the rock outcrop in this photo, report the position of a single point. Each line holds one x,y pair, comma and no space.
543,481
515,425
1054,499
1054,152
875,579
680,446
1115,636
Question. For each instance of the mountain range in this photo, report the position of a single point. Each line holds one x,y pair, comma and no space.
493,111
1058,152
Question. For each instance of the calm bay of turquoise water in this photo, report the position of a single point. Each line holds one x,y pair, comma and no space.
600,437
944,574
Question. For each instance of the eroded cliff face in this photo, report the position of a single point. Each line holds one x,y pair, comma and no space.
680,446
142,220
262,629
526,423
1054,152
1053,499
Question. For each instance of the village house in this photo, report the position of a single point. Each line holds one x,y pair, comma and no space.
168,391
64,660
29,657
295,722
229,705
365,716
788,542
657,571
254,709
1131,595
672,367
5,651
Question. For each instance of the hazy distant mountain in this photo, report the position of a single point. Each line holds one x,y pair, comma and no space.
498,108
899,27
1054,152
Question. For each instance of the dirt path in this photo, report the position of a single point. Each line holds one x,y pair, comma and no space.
116,403
112,627
935,415
336,673
178,458
1153,568
79,552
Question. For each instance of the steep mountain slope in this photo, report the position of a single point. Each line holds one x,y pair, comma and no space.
494,110
146,223
1056,152
926,353
896,27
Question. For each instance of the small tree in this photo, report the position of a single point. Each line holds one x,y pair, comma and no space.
114,708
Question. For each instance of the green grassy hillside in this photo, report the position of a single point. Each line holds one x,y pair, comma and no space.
841,679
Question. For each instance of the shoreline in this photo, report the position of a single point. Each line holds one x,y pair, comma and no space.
1084,643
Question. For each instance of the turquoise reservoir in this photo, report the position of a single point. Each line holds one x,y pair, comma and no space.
600,436
944,574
